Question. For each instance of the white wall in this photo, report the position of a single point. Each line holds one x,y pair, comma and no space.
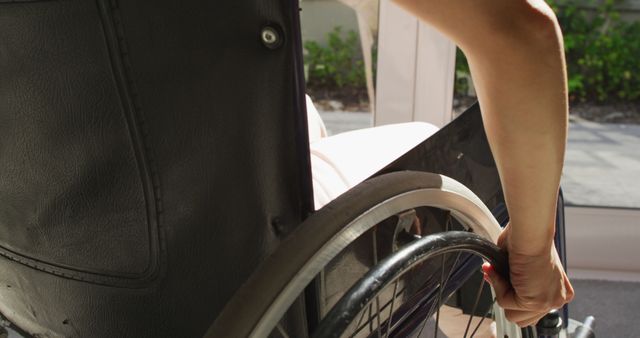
602,243
415,70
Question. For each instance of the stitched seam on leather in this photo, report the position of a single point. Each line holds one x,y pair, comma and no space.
69,273
139,114
143,132
156,242
18,1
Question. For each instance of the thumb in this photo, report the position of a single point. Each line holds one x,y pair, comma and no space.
504,236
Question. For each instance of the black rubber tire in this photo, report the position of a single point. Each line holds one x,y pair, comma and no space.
391,268
250,303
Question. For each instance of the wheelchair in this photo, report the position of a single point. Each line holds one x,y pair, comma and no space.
155,182
384,258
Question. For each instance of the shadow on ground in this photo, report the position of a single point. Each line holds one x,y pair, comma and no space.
613,304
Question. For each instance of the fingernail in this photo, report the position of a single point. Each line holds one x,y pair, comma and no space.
486,278
487,268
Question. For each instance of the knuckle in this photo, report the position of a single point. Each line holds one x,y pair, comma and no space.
526,323
536,319
557,303
531,303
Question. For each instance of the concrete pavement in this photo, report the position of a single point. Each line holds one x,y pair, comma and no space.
602,165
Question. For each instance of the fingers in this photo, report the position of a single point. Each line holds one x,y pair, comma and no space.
505,295
507,299
569,289
502,239
536,284
524,318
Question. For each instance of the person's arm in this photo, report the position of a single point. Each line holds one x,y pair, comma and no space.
515,52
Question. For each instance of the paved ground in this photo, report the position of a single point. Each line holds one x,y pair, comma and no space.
602,162
339,122
613,304
602,165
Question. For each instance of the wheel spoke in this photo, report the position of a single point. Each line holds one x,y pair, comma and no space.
360,320
382,309
393,301
282,331
424,323
431,309
375,262
444,257
442,279
447,226
375,245
483,317
475,306
370,320
446,281
428,289
455,262
378,316
440,291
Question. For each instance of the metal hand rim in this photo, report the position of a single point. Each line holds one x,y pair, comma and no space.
465,206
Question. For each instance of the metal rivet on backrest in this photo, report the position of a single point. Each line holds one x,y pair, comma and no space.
271,37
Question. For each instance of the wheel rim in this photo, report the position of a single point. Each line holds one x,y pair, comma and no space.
452,196
464,249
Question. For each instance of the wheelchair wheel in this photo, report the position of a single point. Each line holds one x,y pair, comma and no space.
326,249
387,303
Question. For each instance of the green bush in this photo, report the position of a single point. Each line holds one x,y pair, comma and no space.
602,52
338,64
461,86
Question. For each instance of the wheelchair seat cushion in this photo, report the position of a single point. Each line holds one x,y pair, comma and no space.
340,162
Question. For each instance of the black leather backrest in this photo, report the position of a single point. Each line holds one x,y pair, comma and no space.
151,153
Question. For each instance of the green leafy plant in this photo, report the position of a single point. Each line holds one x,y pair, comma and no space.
336,65
602,52
462,76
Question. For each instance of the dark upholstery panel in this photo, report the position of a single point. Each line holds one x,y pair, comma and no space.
163,136
72,199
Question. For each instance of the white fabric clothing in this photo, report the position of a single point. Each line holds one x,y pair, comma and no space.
317,129
340,162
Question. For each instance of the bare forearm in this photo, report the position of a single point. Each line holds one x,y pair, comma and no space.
524,101
516,58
